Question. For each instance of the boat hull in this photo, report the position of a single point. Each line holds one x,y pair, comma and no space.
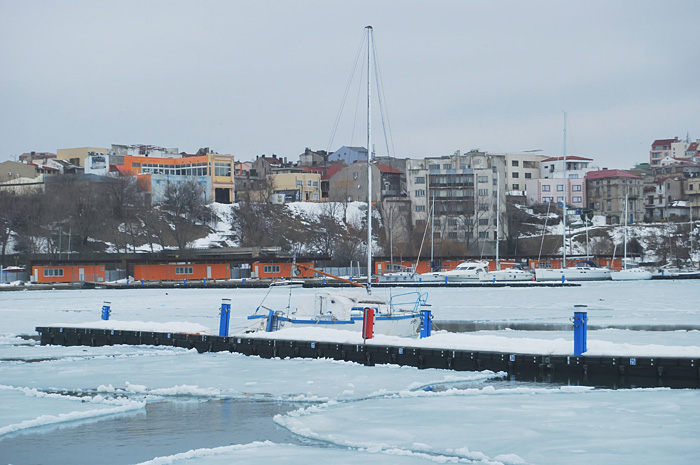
507,276
636,274
572,274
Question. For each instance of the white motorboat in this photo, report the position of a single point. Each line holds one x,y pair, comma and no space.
515,273
465,271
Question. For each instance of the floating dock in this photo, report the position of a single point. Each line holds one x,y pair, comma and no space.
601,371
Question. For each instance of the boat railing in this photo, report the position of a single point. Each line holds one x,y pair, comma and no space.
416,299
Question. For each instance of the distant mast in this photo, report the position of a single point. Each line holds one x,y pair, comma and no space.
566,194
369,158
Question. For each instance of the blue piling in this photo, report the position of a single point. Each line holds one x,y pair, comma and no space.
204,281
142,282
225,317
563,279
185,282
580,321
127,281
494,280
243,282
426,323
106,310
271,324
324,281
445,279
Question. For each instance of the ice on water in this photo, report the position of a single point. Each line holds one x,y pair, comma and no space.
348,413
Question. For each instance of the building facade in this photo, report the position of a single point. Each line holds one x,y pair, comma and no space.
77,155
607,191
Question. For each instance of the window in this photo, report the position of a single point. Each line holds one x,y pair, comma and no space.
484,234
483,221
315,183
529,164
308,183
515,175
482,179
483,192
451,221
546,199
608,204
222,169
577,199
516,187
420,208
183,270
514,163
573,176
419,180
528,175
560,187
420,223
484,207
53,272
560,199
271,268
300,183
545,188
576,188
452,235
446,166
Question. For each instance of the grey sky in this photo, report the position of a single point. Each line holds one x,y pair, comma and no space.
256,77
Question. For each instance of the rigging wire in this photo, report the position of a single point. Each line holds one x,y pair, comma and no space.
383,110
345,94
544,230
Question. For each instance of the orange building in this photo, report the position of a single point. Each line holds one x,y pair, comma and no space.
68,273
219,169
281,270
181,271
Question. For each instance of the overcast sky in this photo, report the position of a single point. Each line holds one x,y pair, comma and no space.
255,77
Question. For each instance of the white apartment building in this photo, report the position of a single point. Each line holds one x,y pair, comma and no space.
551,186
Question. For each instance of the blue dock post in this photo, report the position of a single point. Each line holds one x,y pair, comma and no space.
185,282
324,280
243,282
141,282
426,323
271,324
445,279
563,279
204,281
105,310
225,317
580,331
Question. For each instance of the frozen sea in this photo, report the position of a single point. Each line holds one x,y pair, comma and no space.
163,405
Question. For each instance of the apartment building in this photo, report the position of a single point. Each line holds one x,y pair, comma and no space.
607,191
463,190
552,187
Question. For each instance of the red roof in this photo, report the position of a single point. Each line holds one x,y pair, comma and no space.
568,157
387,169
664,141
601,174
326,172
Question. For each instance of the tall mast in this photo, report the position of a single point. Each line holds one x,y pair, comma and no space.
498,215
563,209
369,158
624,265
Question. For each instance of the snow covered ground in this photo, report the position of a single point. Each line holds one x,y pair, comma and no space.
228,408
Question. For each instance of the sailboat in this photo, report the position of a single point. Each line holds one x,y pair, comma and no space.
514,273
583,271
345,309
687,272
628,273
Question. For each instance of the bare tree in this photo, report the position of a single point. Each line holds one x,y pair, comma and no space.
183,207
